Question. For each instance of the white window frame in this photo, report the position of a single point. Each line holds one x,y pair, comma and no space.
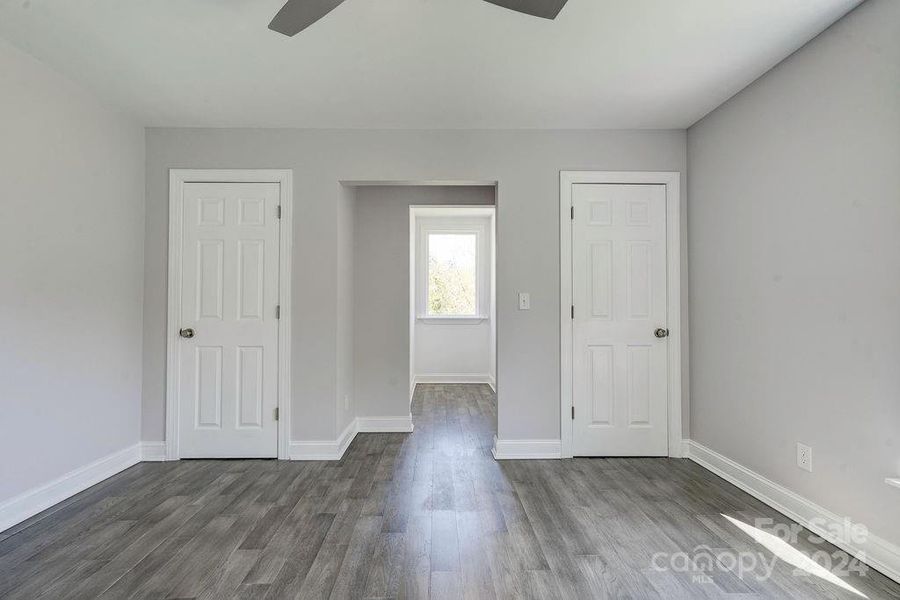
425,267
453,220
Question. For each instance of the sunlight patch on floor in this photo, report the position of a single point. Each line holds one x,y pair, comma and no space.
791,555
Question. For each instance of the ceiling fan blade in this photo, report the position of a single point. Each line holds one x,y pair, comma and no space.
546,9
297,15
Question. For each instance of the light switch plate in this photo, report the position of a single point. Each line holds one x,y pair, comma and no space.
524,301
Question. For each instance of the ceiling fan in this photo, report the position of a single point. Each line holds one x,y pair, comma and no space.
297,15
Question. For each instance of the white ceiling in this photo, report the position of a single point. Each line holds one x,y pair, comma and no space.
416,63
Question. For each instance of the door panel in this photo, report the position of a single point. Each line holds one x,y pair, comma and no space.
602,394
251,279
250,386
208,378
210,275
228,371
620,368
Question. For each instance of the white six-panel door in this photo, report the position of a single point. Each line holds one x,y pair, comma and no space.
619,360
228,365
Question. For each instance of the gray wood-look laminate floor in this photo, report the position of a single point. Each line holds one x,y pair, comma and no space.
428,514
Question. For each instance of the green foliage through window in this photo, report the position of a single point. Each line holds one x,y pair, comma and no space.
452,274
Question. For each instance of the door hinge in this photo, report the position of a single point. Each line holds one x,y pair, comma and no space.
573,311
573,412
278,211
276,413
277,311
572,212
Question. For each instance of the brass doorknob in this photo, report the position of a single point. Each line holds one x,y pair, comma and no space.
661,333
186,333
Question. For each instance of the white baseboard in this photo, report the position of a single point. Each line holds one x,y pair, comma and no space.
526,449
325,449
452,378
493,383
25,505
875,551
334,449
153,451
384,424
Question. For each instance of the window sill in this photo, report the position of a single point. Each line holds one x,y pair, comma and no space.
454,320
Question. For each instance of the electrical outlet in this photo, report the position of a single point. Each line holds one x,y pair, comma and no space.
524,301
804,457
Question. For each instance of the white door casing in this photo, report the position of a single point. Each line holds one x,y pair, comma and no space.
619,259
226,382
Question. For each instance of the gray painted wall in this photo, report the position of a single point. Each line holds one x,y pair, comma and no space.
525,163
71,276
795,270
382,289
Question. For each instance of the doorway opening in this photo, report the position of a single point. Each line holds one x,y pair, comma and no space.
452,294
378,326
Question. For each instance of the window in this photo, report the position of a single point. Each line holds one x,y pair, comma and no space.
451,264
452,274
